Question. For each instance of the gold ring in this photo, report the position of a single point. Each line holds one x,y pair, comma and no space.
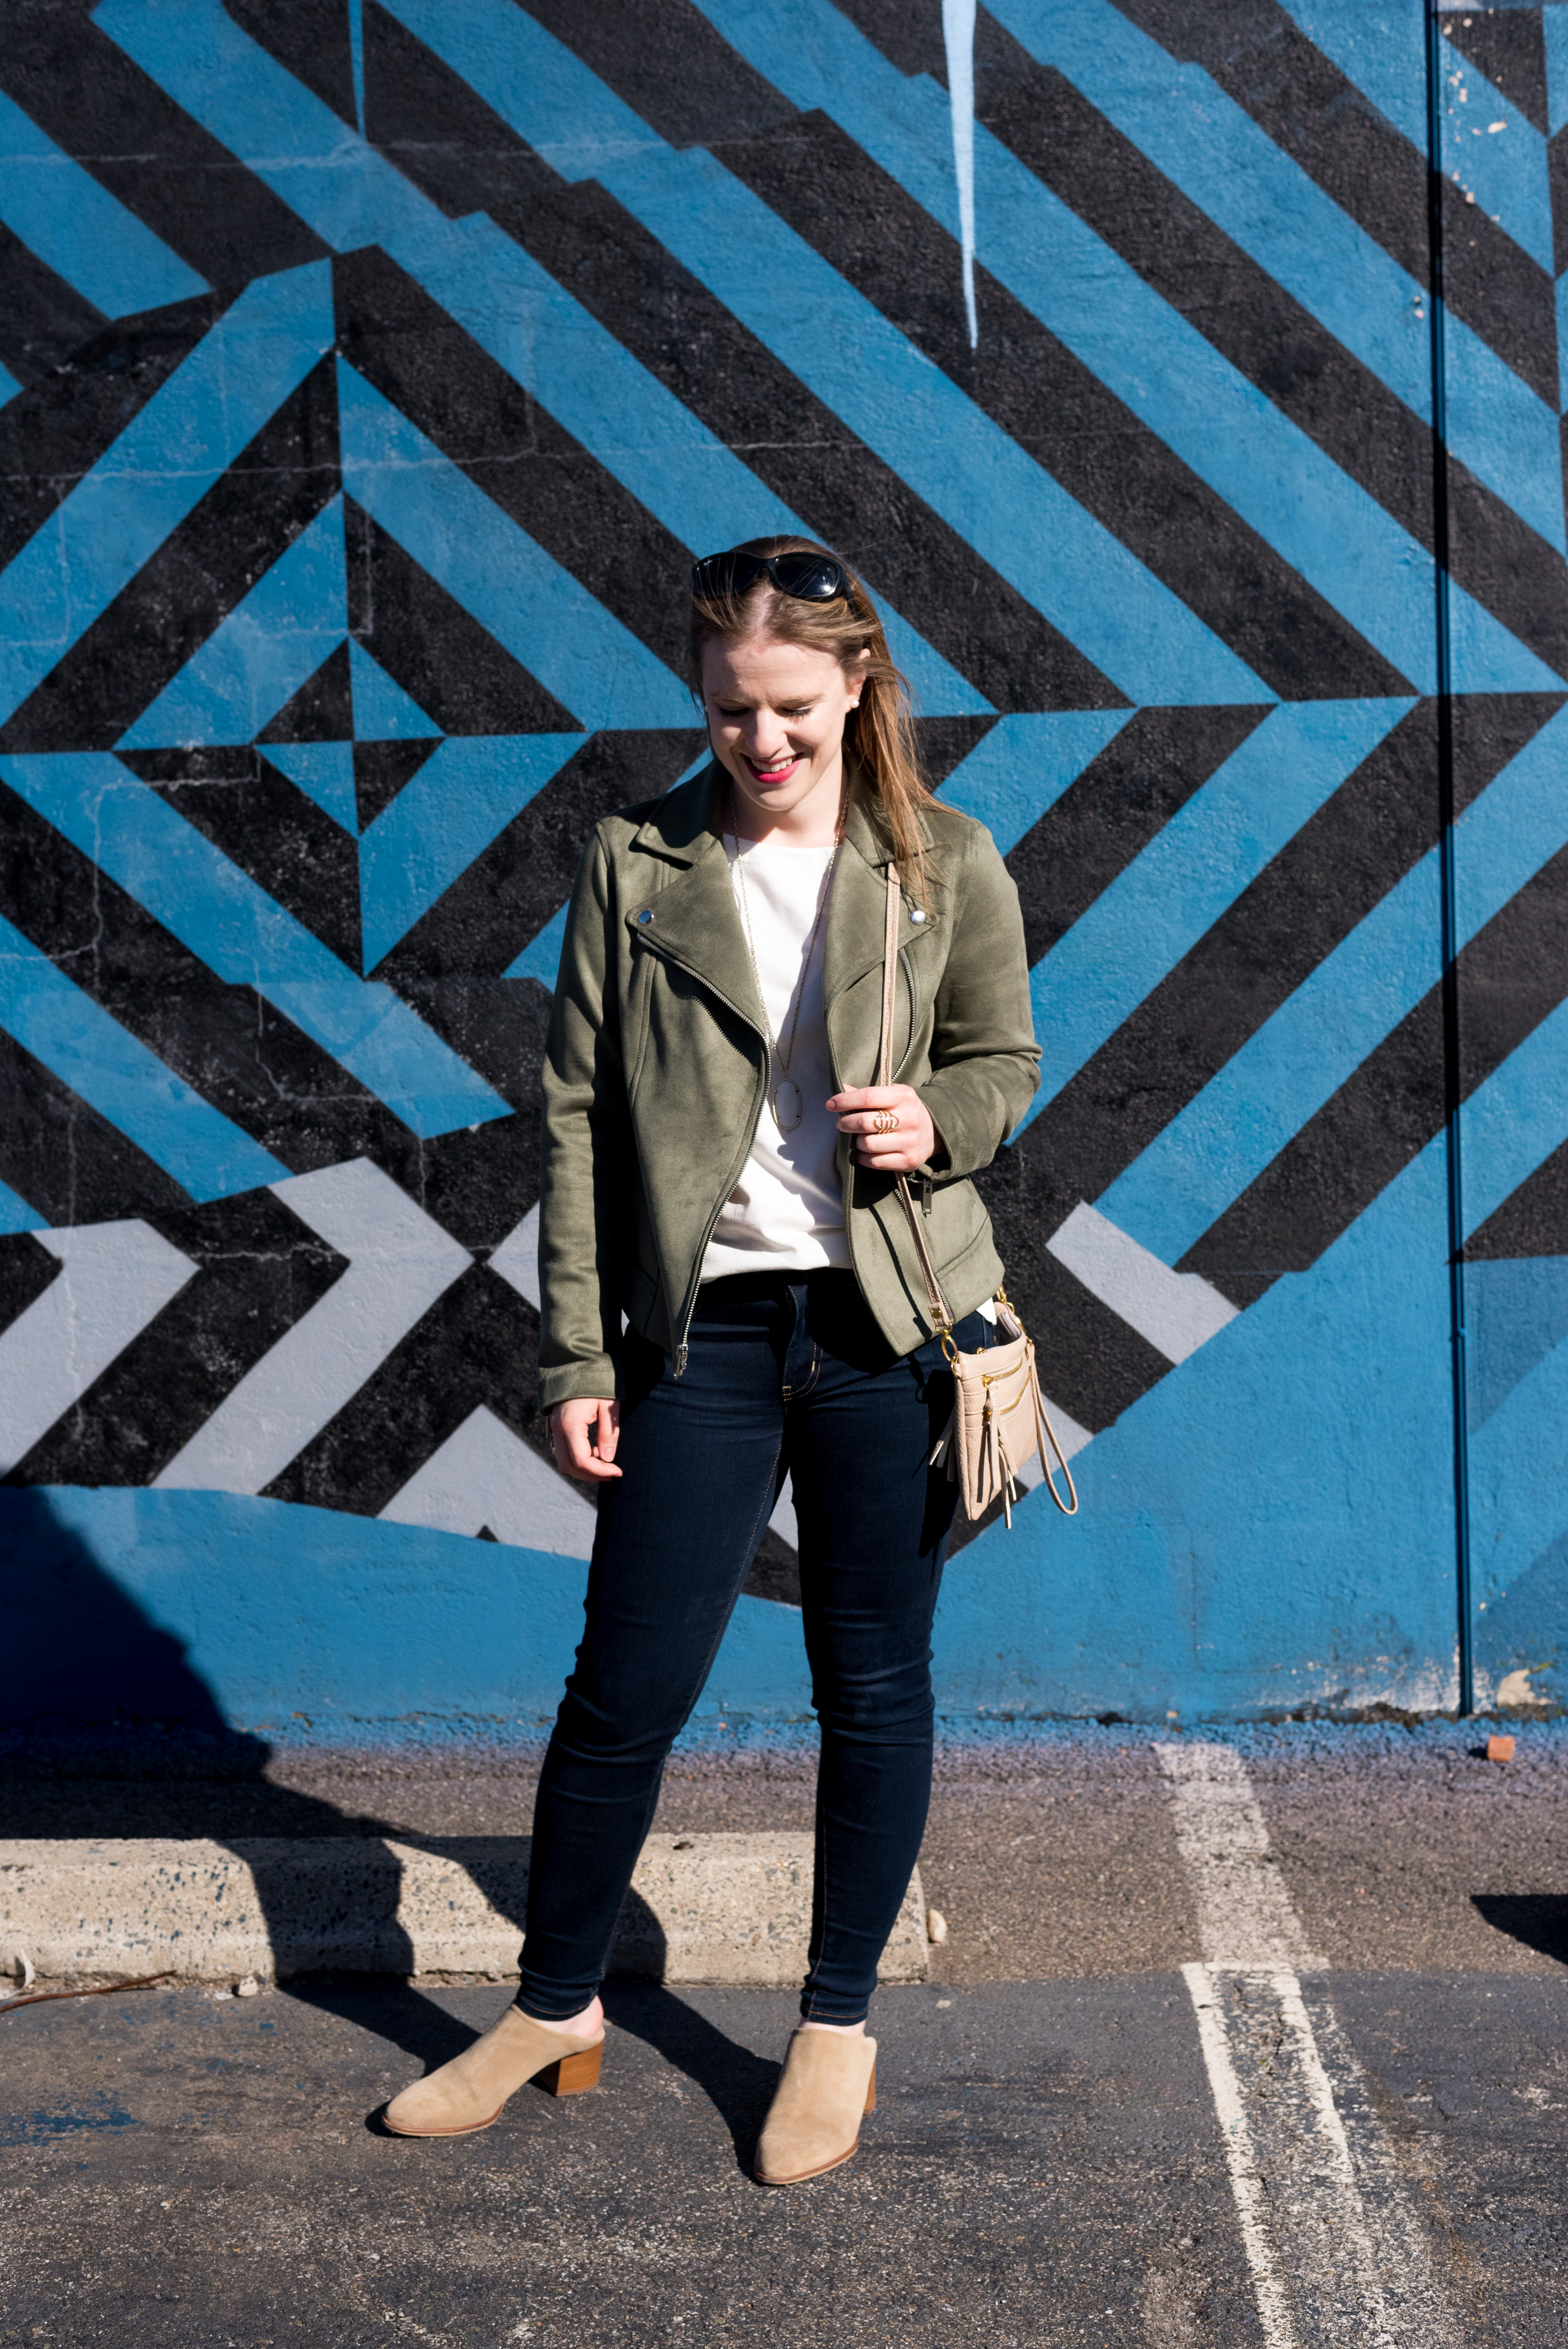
885,1121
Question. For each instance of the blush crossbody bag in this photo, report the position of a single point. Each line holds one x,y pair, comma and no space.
999,1419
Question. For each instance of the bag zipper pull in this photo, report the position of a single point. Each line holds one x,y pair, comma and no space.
680,1361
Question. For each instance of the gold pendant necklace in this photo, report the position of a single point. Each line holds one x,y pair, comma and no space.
786,1083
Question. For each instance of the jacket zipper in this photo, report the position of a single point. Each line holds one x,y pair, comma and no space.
681,1347
681,1350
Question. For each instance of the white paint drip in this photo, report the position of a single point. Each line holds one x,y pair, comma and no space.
958,38
1337,2254
117,1278
1176,1311
483,1475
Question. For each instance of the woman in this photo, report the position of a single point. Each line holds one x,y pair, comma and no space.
732,1294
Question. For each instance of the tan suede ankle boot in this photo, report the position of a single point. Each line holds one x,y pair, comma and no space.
828,2080
468,2093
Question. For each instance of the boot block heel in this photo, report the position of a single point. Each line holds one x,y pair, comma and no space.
872,2091
573,2073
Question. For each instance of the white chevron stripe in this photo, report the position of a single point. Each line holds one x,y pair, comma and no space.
400,1260
485,1475
117,1278
1176,1311
516,1258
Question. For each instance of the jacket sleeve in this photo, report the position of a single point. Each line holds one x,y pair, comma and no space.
985,1063
586,1154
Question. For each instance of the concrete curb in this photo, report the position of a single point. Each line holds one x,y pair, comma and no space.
701,1909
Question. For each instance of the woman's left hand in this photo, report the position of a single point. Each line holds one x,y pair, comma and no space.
913,1142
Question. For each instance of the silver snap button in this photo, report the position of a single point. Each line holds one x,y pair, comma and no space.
918,915
644,918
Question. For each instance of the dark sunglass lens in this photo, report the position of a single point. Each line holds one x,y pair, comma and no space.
730,574
811,578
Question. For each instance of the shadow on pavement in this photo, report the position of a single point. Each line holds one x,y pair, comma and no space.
395,2012
1539,1920
738,2083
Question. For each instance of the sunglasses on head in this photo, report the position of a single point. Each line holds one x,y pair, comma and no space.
808,578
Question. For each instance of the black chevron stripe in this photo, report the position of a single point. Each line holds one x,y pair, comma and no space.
443,136
508,893
1510,50
478,1182
911,38
672,67
481,417
460,676
267,826
1092,1363
1262,59
85,91
261,1270
874,233
880,239
52,435
1248,316
1379,822
380,771
225,1041
1532,1220
25,1271
312,43
205,566
323,709
65,1159
1512,973
1155,763
478,1344
42,319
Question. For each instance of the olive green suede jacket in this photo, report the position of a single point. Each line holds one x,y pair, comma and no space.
657,1061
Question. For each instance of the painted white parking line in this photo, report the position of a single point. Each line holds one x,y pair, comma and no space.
1340,2258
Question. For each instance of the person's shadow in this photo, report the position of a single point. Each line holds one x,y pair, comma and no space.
106,1731
738,2083
1539,1920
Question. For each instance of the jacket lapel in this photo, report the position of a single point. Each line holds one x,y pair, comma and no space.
693,919
692,915
857,914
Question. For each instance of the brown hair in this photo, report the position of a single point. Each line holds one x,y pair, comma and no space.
879,732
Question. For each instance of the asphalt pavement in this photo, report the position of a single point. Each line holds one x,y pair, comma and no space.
1053,2158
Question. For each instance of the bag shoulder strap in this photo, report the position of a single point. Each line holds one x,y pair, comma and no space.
940,1315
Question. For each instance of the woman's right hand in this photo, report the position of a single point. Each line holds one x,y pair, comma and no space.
583,1435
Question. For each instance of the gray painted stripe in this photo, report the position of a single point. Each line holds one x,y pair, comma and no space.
485,1475
399,1261
1177,1311
117,1278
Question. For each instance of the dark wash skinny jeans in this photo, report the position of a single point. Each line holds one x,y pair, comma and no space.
782,1374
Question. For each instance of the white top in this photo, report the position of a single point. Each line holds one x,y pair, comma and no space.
786,1214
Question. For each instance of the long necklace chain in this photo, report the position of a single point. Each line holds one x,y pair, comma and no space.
783,1054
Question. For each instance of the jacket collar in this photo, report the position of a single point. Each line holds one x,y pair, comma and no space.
694,919
686,826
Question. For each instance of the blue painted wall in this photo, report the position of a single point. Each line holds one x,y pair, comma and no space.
371,374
